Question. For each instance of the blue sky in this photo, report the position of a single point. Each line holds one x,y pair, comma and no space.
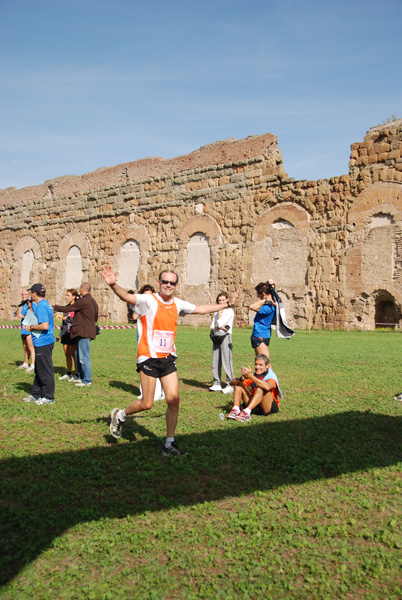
93,83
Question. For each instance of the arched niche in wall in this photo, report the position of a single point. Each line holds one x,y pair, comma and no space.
129,264
374,255
25,271
280,250
280,253
198,259
199,242
74,253
376,307
130,254
387,311
74,268
26,267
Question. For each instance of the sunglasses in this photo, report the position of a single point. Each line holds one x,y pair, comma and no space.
166,282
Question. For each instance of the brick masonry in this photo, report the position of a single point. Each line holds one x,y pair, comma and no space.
333,246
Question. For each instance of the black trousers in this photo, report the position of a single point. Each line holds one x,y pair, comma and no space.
43,385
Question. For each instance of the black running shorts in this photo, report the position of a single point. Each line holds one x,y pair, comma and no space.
158,367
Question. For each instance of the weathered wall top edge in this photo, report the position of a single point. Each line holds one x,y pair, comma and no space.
383,128
217,153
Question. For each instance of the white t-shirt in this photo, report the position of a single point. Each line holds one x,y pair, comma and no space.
227,318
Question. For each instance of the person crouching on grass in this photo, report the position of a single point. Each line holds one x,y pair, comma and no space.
259,391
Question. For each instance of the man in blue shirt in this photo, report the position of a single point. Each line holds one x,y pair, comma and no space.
43,341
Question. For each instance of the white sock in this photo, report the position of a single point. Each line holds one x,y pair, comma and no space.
121,415
236,409
169,442
248,411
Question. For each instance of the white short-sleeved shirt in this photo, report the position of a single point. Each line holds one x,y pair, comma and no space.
227,318
157,325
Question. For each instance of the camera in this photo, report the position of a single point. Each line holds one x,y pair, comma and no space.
24,302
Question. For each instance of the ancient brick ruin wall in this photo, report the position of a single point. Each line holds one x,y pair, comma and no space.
320,240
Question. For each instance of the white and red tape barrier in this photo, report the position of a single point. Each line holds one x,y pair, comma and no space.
58,327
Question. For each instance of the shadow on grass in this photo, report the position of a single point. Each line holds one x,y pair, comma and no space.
59,371
25,386
195,383
42,496
125,387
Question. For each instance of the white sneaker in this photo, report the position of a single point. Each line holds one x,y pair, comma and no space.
30,398
233,413
31,369
398,397
75,379
228,389
65,377
23,366
82,384
216,387
41,401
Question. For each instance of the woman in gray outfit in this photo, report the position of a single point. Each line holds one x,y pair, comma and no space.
222,353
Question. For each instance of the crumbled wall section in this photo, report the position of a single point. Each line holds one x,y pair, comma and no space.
317,239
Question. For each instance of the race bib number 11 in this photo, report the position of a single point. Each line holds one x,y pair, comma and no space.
163,341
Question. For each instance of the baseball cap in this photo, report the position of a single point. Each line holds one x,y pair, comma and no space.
37,287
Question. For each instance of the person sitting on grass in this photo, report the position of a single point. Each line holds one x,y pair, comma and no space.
259,391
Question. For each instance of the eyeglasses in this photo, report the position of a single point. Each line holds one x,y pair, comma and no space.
166,282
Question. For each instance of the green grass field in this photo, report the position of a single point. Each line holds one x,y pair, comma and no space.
305,504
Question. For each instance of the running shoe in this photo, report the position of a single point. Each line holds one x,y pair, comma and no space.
115,424
41,401
233,413
30,398
228,389
173,451
243,416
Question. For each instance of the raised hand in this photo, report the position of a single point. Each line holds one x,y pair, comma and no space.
108,274
234,297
